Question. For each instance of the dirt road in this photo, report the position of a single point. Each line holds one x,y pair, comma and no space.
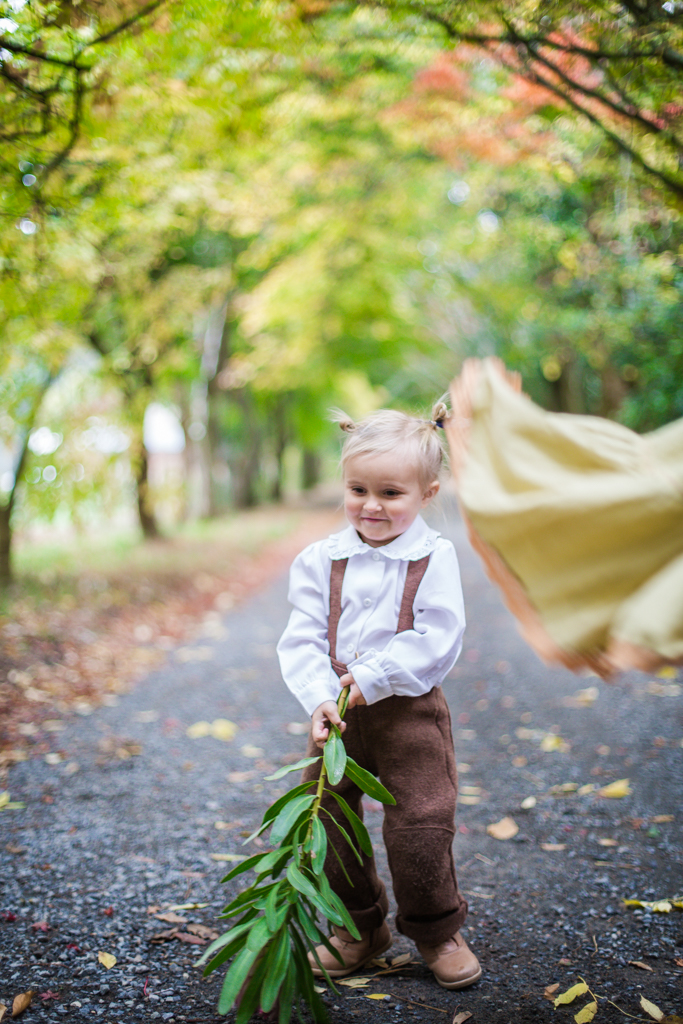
129,813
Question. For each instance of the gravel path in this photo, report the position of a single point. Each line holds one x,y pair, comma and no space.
129,814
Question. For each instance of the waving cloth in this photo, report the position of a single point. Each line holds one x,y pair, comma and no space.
578,520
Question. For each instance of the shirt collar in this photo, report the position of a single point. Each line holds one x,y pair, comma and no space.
417,541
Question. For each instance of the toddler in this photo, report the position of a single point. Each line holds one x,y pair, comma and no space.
379,608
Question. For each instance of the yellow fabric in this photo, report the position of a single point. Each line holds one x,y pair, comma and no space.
586,515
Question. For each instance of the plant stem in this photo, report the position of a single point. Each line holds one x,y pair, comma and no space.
315,809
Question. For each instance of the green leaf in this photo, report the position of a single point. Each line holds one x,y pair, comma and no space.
335,757
281,772
313,932
318,846
245,865
276,807
223,940
346,835
260,934
271,906
273,862
225,954
251,997
278,962
331,897
287,992
255,834
235,978
357,825
341,864
288,817
306,888
251,895
307,980
368,783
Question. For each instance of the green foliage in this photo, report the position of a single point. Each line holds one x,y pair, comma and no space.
278,916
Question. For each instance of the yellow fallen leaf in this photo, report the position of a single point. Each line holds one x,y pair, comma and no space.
528,802
608,842
553,847
223,729
355,982
571,994
616,790
198,730
668,672
4,798
107,960
469,801
564,788
639,963
298,729
506,828
585,790
660,819
404,958
650,1008
586,1014
187,906
376,995
658,906
3,1010
551,742
227,856
319,989
588,696
21,1002
249,750
461,1017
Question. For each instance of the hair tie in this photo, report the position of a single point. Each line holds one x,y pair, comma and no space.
437,423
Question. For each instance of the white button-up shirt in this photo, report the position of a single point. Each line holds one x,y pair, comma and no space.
384,662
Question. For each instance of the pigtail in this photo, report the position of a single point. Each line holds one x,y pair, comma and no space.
345,422
440,413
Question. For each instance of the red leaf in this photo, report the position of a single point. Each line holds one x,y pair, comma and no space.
108,911
40,926
8,916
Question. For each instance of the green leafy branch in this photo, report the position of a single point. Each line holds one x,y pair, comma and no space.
278,912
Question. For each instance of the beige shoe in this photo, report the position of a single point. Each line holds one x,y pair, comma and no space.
354,953
453,962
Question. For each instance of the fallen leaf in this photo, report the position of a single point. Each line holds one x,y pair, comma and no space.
672,1018
106,959
658,906
40,926
678,962
461,1017
588,696
186,906
47,996
616,790
21,1003
550,990
198,730
659,819
586,1014
468,801
528,802
203,931
11,848
248,750
223,729
355,982
4,798
608,842
194,940
639,963
228,857
240,776
223,826
3,1010
298,729
553,847
650,1008
379,961
376,995
551,742
506,828
585,790
171,918
564,961
668,672
571,994
404,958
319,989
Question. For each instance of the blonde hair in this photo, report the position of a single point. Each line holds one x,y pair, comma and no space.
388,430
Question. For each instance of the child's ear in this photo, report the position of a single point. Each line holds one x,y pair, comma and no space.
431,492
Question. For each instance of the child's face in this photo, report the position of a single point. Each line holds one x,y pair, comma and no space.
382,496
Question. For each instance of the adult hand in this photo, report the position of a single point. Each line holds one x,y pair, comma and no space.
324,714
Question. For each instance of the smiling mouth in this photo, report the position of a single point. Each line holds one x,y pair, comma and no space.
372,519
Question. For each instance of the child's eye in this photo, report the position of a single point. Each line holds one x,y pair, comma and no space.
392,494
358,490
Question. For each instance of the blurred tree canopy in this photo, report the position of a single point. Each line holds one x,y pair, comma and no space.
250,212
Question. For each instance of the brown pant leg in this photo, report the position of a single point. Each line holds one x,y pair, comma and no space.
366,898
415,760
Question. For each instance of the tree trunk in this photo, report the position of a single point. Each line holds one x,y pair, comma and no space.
280,444
5,545
310,469
148,522
248,464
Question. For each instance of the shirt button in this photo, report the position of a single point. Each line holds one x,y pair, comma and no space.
367,602
349,647
376,557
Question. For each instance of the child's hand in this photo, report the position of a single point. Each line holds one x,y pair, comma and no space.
355,695
324,714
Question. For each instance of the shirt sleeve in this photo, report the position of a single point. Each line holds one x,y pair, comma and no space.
303,650
415,661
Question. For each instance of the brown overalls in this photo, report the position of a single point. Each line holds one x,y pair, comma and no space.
406,742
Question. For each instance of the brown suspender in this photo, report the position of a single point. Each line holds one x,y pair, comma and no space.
416,571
